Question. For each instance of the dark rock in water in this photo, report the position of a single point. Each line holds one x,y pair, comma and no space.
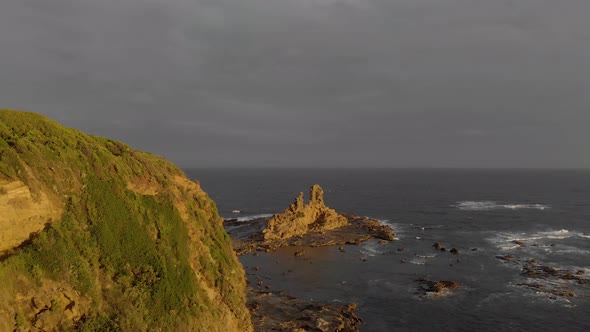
520,243
473,249
438,246
382,242
529,272
580,272
443,249
569,277
401,249
536,286
560,291
342,249
283,313
549,270
454,251
553,278
506,258
299,253
438,288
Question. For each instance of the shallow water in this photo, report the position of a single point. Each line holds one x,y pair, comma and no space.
548,211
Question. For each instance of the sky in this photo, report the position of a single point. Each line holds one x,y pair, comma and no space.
310,83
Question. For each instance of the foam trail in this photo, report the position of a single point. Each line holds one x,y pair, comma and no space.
369,250
492,205
253,217
514,241
386,222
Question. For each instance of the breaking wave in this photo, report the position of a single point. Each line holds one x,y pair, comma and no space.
253,217
492,205
510,241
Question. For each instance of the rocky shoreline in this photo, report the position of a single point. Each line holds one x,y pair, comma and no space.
304,225
309,225
278,311
249,238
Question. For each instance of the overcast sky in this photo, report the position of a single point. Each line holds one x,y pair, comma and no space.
310,83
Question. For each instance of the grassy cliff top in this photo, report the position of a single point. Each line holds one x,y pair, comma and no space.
136,245
56,154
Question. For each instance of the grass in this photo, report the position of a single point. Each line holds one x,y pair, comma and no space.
129,253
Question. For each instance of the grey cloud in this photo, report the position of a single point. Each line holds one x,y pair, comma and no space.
375,83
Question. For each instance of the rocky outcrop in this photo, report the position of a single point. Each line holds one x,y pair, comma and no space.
300,218
545,279
278,311
22,214
308,225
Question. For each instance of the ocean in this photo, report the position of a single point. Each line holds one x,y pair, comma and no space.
540,216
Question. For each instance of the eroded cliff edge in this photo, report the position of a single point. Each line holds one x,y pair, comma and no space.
96,236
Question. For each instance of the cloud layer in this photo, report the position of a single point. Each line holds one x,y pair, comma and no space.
348,83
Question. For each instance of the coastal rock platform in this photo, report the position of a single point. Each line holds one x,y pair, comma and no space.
247,238
311,225
278,311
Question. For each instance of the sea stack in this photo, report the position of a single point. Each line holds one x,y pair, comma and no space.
300,218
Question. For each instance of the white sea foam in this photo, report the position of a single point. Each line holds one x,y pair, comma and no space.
507,240
492,205
386,222
253,217
426,256
369,249
397,228
540,242
418,261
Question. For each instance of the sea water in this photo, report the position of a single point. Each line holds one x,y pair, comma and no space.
480,212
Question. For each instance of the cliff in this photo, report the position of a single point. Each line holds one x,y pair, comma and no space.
96,236
300,218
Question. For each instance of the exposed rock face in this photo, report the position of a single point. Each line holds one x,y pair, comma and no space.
299,218
21,214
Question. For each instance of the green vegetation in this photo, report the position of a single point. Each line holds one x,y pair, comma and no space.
130,254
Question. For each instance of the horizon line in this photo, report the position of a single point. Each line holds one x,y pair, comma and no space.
386,168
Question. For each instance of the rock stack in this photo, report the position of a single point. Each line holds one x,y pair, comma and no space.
300,218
